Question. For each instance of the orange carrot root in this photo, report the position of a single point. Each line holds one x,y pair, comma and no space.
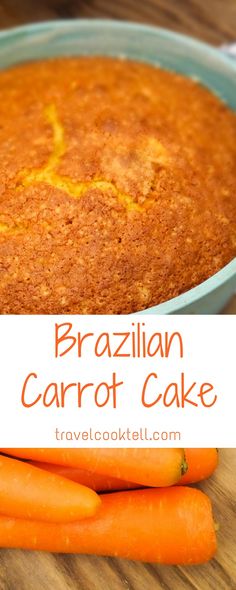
29,492
169,526
148,467
201,464
95,481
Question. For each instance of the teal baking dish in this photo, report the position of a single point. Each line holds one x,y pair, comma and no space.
145,43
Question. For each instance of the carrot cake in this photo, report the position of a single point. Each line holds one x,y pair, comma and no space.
117,186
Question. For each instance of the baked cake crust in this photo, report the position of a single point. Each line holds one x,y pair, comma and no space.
117,186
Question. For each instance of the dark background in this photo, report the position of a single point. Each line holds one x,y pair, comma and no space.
211,20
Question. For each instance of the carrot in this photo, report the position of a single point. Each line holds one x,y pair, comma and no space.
148,467
95,481
29,492
169,526
201,464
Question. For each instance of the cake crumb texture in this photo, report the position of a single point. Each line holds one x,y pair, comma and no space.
117,186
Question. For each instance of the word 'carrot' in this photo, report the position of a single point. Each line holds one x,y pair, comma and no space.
169,526
148,467
29,492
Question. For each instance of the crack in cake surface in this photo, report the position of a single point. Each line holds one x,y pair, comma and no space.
48,172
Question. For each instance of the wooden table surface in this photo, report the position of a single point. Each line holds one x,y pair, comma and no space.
213,21
25,570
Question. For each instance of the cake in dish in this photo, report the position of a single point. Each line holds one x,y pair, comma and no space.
117,186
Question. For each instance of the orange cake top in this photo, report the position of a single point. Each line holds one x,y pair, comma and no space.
117,186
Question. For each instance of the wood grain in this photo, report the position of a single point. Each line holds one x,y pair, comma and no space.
231,307
211,20
26,570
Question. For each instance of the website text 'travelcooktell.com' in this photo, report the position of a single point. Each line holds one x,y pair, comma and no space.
127,434
76,385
